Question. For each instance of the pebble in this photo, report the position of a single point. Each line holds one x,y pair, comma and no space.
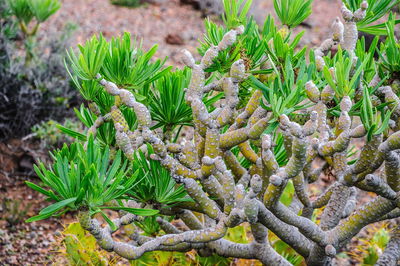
32,235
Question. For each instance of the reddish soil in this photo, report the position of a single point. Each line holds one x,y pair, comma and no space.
22,243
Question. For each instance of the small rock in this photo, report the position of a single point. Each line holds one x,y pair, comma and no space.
50,238
13,260
32,235
174,39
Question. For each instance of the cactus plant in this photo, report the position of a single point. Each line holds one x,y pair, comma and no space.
234,165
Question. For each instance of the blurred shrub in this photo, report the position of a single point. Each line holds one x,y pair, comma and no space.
128,3
29,15
40,90
13,211
372,245
51,136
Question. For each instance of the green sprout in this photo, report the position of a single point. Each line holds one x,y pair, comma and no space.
250,45
87,64
362,53
293,12
43,9
167,100
346,76
375,121
121,61
376,10
85,179
30,14
126,3
127,65
285,93
26,10
283,48
235,12
157,186
390,50
21,9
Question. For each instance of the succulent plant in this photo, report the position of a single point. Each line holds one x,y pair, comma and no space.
232,165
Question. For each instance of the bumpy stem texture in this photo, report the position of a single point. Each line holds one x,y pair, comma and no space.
226,194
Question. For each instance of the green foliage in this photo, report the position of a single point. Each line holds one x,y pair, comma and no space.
235,12
80,248
283,48
367,54
250,47
50,135
9,25
106,132
371,246
287,252
376,10
127,65
167,100
279,150
127,3
254,47
86,65
345,78
95,177
293,12
84,178
287,195
377,245
238,234
284,93
26,10
21,9
89,89
43,9
213,260
149,226
14,211
374,122
156,185
160,258
41,86
120,60
389,51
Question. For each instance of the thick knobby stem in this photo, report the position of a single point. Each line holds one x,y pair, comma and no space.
226,194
